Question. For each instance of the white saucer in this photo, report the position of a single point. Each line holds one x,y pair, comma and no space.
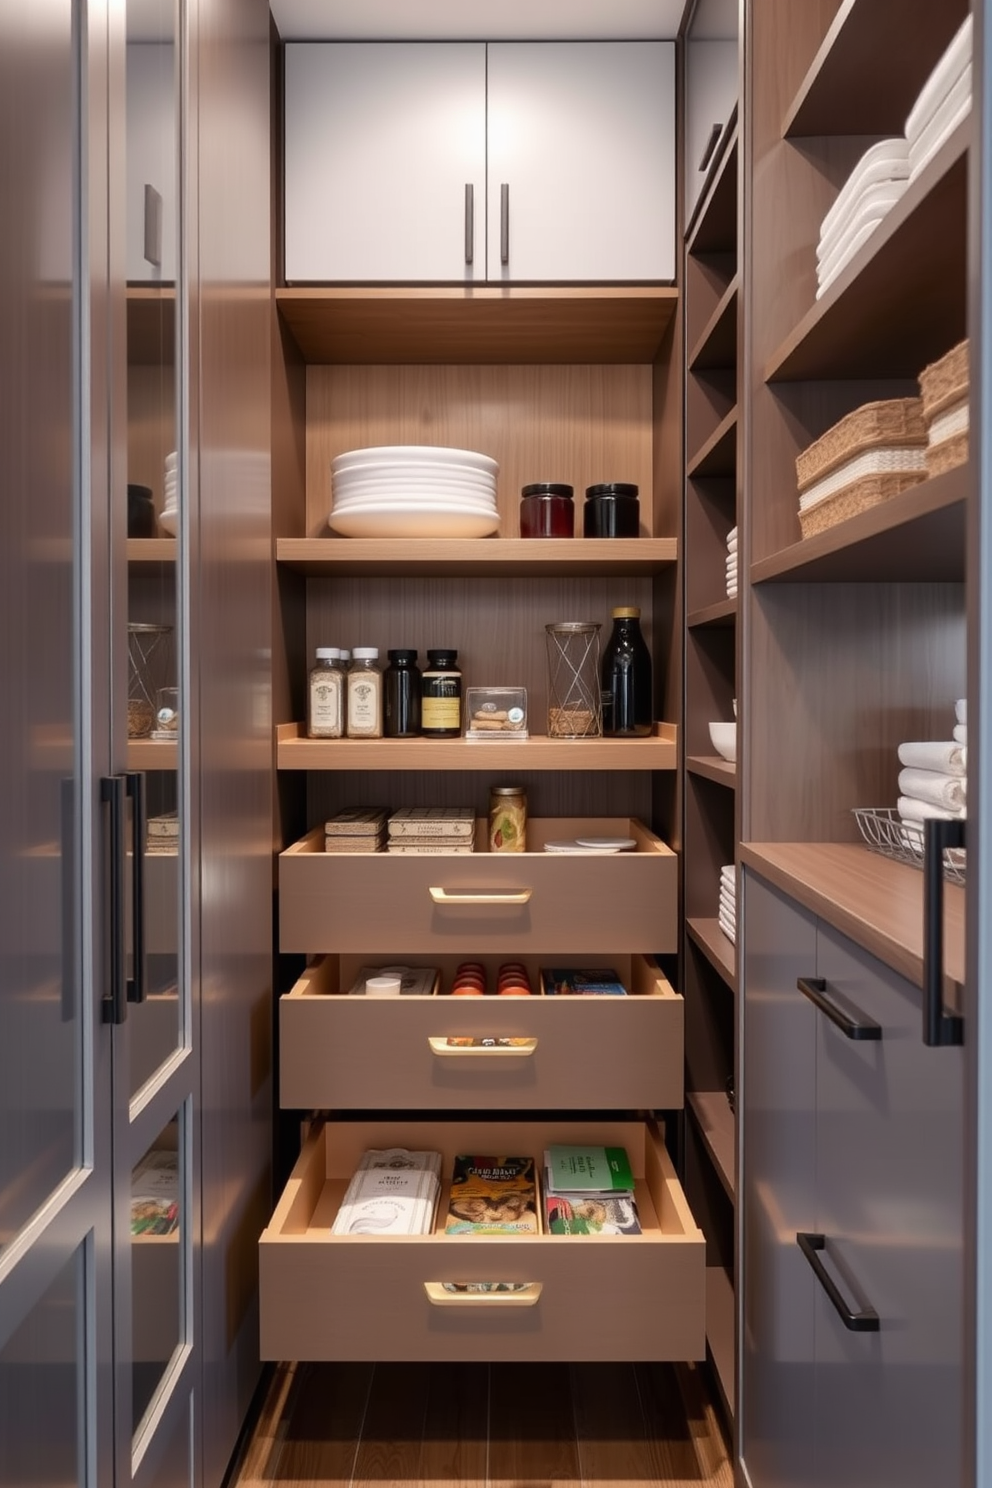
392,520
574,847
608,844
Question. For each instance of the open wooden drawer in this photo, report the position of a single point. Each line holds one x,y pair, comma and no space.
589,1298
584,1053
484,902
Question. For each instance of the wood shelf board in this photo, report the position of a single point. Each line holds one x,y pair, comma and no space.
718,455
395,557
718,1129
715,946
721,1331
355,325
916,536
151,550
296,752
151,324
875,902
845,90
901,302
152,754
713,767
717,344
712,227
722,614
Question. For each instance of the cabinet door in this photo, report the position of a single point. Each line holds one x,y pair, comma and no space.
385,161
889,1169
779,1192
581,147
152,93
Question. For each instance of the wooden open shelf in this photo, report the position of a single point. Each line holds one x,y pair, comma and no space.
151,550
715,1121
917,535
151,324
713,767
508,325
715,946
847,91
722,614
875,902
152,754
539,557
720,1330
296,752
713,225
901,301
717,344
718,455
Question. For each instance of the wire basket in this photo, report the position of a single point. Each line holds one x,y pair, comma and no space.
885,832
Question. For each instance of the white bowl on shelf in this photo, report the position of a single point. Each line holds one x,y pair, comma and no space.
724,737
397,519
414,454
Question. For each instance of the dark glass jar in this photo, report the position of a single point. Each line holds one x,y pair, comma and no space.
611,510
627,685
140,511
441,696
546,510
401,684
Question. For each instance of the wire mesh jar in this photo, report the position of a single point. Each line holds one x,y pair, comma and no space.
574,695
149,666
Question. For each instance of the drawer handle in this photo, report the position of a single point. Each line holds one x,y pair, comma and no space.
521,1049
865,1321
485,896
456,1294
815,988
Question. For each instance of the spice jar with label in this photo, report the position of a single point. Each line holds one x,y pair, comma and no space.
441,696
365,694
401,688
325,696
507,818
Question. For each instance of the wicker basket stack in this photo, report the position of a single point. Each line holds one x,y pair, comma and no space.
868,457
944,389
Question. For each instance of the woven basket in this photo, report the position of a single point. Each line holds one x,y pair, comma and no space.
895,421
870,491
947,454
945,382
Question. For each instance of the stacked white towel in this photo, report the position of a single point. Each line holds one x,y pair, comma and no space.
872,189
732,563
728,901
169,515
944,101
933,781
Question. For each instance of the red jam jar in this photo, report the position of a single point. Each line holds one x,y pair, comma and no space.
546,510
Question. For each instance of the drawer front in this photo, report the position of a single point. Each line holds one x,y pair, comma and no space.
366,1298
339,1052
482,902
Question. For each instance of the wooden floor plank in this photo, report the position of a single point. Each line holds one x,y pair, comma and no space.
389,1452
705,1423
613,1444
690,1446
320,1409
455,1447
531,1427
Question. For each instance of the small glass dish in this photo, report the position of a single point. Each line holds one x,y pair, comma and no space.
496,713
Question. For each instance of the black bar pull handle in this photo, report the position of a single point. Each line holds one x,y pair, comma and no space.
815,988
469,222
113,793
137,985
940,1028
504,223
865,1321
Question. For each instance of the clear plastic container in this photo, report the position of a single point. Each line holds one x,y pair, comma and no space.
496,713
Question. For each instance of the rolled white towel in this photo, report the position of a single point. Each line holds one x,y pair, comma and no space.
728,874
732,590
947,758
950,792
912,810
729,928
961,710
732,542
728,902
960,732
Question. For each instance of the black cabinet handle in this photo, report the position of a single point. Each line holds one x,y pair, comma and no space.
469,222
815,988
504,223
112,791
137,986
940,1028
865,1321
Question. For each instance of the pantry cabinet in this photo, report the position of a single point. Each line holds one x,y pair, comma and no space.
472,162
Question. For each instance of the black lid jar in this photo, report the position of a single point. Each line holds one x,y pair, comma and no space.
612,510
546,510
441,695
140,511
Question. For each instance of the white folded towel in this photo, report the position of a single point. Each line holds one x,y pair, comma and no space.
912,810
941,80
729,929
728,874
727,896
961,710
732,590
949,792
960,732
732,542
888,160
870,205
948,759
955,107
839,260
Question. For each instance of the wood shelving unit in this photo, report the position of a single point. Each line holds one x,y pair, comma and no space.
722,614
463,556
715,1121
716,455
715,946
712,767
143,550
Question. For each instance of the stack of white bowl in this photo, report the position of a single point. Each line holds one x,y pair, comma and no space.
413,490
169,515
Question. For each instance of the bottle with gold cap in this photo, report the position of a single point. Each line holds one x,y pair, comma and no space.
626,673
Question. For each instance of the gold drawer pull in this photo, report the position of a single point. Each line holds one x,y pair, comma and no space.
463,1294
485,896
500,1047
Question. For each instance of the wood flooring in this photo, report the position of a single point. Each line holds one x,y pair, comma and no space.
486,1426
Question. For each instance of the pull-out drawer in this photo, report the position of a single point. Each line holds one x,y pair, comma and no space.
482,902
372,1297
583,1053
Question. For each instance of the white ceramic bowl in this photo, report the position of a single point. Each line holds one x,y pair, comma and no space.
415,454
398,520
724,737
402,496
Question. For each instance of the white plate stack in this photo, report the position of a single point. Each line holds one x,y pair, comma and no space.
944,101
169,515
413,490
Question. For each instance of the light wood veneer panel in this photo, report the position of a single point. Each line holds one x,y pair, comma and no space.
536,557
296,752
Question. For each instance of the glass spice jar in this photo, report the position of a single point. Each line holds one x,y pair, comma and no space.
507,818
325,696
365,694
546,510
401,685
441,696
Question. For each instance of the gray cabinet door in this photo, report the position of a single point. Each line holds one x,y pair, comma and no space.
889,1172
778,1183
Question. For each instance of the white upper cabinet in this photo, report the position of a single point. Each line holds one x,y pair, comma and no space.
389,147
581,139
385,161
